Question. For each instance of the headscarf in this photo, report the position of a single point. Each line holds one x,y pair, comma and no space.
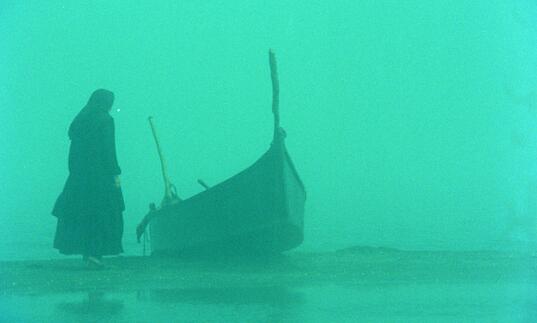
87,120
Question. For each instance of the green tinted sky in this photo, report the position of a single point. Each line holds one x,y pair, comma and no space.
407,120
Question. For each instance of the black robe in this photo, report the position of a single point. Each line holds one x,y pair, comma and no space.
89,210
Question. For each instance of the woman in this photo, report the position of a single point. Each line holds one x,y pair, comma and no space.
89,210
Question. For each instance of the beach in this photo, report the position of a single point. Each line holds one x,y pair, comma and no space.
374,284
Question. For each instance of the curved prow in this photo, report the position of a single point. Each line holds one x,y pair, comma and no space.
140,228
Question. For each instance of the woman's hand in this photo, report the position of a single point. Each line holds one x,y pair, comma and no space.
117,181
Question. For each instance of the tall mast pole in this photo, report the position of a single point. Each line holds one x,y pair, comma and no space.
275,92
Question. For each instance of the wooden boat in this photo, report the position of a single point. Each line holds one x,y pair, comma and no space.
259,210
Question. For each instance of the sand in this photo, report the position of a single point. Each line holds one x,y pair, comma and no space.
352,267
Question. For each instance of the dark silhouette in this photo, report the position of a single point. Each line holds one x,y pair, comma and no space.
89,210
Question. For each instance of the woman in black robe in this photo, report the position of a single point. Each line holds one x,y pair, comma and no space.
89,210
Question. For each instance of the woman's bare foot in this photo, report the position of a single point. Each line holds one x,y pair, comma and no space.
94,262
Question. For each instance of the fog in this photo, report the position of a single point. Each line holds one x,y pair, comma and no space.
411,123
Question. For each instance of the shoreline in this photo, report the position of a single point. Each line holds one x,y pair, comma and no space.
351,266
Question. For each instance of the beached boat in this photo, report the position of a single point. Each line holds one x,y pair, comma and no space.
259,210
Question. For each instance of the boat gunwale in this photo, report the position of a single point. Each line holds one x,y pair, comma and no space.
212,188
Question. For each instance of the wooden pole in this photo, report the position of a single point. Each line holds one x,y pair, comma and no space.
167,184
275,92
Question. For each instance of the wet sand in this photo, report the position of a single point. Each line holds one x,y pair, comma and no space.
356,284
353,266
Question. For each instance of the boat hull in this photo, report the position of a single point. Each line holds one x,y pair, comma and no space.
259,210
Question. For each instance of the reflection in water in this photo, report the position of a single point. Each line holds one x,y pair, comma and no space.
275,303
276,296
401,301
94,305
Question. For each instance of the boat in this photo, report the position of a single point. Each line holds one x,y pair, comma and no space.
259,210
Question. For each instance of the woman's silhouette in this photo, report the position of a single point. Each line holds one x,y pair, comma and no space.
89,210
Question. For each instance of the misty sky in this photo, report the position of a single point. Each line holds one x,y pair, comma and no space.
412,123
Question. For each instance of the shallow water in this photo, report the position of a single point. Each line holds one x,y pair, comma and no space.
439,302
359,284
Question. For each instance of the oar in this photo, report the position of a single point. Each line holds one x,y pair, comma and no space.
170,194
